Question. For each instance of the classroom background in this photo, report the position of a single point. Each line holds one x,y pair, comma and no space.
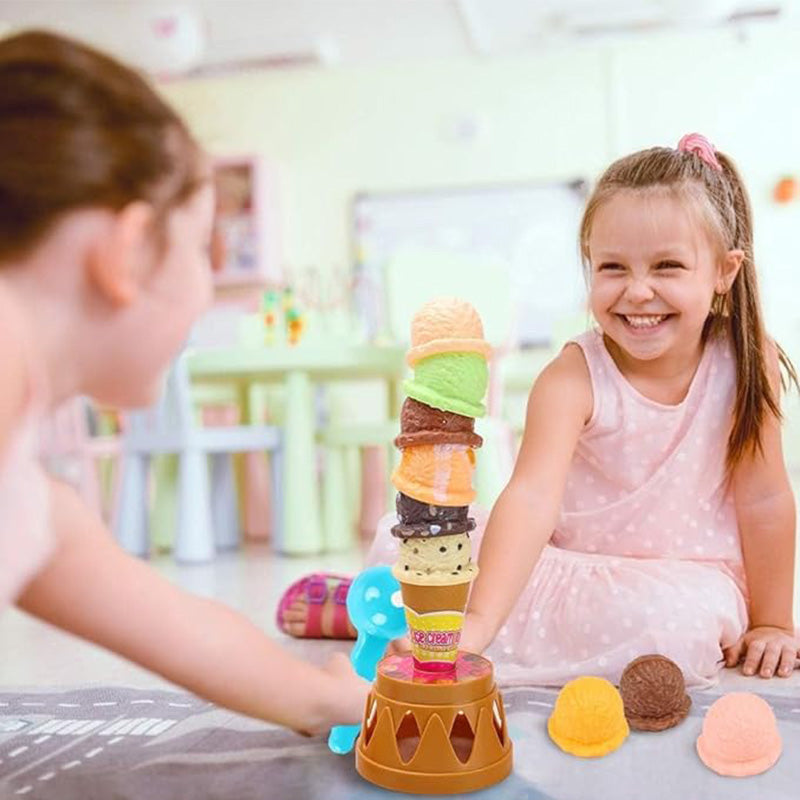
370,155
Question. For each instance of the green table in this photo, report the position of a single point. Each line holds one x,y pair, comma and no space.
298,369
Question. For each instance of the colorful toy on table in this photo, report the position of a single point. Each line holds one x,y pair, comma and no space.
295,320
287,298
270,307
275,302
589,718
295,325
653,691
375,608
740,736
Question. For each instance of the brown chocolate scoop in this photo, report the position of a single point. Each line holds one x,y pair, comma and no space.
654,693
421,424
422,519
410,511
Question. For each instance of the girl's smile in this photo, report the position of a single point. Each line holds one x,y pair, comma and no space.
654,274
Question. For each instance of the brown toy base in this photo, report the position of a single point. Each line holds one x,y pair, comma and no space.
434,733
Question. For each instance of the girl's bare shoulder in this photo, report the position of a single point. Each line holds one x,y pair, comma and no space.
566,382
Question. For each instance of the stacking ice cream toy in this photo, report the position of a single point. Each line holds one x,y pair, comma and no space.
434,722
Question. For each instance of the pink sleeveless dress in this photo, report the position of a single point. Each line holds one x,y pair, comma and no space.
26,536
645,557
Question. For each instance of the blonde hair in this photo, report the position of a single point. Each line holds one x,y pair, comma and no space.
721,199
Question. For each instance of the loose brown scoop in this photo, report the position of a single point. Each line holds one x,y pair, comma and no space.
654,693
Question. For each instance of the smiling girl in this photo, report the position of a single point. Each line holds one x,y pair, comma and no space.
649,509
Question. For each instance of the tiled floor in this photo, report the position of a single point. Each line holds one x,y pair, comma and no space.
250,580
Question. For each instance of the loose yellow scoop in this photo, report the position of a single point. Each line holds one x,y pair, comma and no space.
589,718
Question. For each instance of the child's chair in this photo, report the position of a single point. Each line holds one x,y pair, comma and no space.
71,450
343,446
207,511
229,323
352,451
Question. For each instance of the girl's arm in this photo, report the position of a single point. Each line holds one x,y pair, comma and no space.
765,511
93,589
525,514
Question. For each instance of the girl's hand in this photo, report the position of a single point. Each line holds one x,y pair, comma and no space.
399,646
475,637
765,650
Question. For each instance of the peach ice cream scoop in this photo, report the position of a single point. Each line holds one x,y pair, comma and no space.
740,736
446,325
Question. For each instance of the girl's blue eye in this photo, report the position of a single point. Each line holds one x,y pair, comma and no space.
669,265
609,266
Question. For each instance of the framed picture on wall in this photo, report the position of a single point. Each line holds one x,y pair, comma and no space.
245,243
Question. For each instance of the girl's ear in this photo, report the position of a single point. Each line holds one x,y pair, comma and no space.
116,263
728,270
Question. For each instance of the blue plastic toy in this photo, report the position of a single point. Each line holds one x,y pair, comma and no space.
375,607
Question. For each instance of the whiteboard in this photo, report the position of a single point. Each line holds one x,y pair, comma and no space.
527,232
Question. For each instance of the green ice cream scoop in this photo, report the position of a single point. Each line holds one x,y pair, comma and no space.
451,382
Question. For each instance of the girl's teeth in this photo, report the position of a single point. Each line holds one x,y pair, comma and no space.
644,322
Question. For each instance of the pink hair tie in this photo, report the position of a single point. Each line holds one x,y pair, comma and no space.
698,144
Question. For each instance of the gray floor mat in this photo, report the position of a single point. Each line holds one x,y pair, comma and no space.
117,743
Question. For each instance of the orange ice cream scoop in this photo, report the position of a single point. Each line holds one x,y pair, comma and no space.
740,736
446,325
589,718
439,474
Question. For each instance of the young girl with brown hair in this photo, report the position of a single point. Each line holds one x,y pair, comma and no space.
649,509
105,222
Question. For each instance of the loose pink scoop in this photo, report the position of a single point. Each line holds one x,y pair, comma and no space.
740,736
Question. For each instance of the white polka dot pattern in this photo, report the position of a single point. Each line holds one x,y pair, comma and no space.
646,530
641,466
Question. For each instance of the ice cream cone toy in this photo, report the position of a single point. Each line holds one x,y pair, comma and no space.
589,718
740,736
375,608
434,722
270,305
654,693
